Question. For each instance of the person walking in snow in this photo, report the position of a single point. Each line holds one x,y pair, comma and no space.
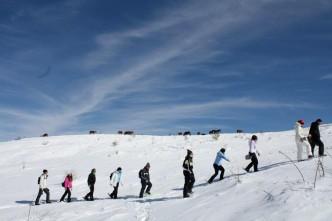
68,185
301,140
314,138
91,184
217,165
144,175
252,154
42,181
115,179
188,172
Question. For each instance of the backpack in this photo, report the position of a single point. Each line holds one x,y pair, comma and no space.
63,184
140,174
38,180
111,175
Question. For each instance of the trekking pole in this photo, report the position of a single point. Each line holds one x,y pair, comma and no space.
293,164
30,207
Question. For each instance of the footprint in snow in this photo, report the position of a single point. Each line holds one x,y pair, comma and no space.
143,211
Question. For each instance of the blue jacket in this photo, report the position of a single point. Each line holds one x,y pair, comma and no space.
220,156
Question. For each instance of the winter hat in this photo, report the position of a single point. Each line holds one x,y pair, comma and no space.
147,165
189,153
93,170
119,169
301,122
254,137
319,120
222,150
45,171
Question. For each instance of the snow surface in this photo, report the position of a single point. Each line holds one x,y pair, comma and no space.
277,192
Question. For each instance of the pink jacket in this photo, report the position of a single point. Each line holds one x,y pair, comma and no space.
68,183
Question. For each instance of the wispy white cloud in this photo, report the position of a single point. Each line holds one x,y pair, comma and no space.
203,108
190,45
326,77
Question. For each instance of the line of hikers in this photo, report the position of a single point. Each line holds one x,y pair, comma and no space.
115,180
309,141
144,175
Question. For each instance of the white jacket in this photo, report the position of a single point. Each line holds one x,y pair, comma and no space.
116,178
43,181
299,132
252,147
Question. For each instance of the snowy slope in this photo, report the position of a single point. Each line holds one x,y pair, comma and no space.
277,192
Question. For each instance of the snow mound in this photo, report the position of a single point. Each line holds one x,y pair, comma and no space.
277,192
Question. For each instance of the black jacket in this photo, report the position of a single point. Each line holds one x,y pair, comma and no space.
314,130
188,164
91,179
144,175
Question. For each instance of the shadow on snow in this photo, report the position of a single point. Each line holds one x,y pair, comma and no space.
161,199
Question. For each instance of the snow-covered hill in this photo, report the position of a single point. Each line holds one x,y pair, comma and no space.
277,192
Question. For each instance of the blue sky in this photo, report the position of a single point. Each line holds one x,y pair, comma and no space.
159,67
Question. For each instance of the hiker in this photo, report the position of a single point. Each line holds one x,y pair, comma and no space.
314,138
42,181
252,154
91,184
301,140
217,165
115,179
144,175
189,177
68,185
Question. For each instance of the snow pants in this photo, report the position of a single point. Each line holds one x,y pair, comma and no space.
89,196
216,171
114,194
254,162
300,145
145,184
40,193
316,141
189,180
67,192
